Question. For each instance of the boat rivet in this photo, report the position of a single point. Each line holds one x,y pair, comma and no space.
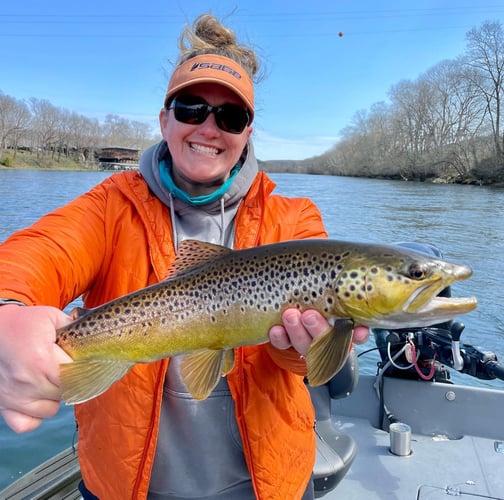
450,396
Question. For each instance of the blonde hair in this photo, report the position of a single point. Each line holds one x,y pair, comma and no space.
209,36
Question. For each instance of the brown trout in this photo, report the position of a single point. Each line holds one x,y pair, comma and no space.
216,299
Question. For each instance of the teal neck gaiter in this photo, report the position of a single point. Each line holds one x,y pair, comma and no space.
205,199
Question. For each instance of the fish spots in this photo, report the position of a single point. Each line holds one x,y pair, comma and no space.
265,284
229,295
228,286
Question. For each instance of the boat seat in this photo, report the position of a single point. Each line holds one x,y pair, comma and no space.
335,450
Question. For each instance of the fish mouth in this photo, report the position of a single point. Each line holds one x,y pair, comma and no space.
434,311
453,306
427,298
425,307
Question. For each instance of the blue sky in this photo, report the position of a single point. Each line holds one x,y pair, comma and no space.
100,57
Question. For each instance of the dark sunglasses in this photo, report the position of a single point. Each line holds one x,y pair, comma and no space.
194,110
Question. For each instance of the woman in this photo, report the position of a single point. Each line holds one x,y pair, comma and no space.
145,437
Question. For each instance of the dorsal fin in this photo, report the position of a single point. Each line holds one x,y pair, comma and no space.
193,254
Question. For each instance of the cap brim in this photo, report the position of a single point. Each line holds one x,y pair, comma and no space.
211,68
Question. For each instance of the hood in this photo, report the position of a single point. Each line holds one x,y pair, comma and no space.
212,222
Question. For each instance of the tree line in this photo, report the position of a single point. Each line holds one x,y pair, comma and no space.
38,126
446,124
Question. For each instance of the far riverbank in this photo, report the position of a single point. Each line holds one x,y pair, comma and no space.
24,160
29,161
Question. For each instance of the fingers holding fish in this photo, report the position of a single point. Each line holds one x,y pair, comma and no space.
360,334
298,330
29,366
291,333
279,338
21,422
301,328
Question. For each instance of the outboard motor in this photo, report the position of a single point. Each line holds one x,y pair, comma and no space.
390,342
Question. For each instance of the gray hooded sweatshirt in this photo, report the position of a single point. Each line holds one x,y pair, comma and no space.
199,452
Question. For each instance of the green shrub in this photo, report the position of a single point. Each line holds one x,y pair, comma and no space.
7,161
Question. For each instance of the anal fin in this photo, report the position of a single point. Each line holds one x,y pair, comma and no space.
202,370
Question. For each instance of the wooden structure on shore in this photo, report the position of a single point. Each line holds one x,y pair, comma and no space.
117,158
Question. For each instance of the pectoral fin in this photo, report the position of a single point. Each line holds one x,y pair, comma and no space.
85,379
201,371
328,352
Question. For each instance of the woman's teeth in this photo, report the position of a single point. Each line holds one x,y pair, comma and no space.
204,149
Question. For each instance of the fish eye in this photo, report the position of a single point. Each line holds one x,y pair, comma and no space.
417,272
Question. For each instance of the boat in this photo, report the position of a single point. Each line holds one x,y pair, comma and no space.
406,432
56,478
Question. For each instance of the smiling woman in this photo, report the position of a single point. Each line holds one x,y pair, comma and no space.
209,106
200,148
200,182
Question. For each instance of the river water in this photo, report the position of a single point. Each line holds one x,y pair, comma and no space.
466,222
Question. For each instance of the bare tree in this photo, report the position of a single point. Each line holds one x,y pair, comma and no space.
45,124
485,54
141,134
117,131
438,124
14,121
47,129
85,137
457,115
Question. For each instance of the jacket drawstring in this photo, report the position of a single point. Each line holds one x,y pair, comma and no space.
222,230
174,223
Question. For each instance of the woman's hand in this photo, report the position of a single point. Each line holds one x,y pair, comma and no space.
29,364
299,329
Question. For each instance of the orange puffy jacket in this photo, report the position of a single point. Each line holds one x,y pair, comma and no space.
117,238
